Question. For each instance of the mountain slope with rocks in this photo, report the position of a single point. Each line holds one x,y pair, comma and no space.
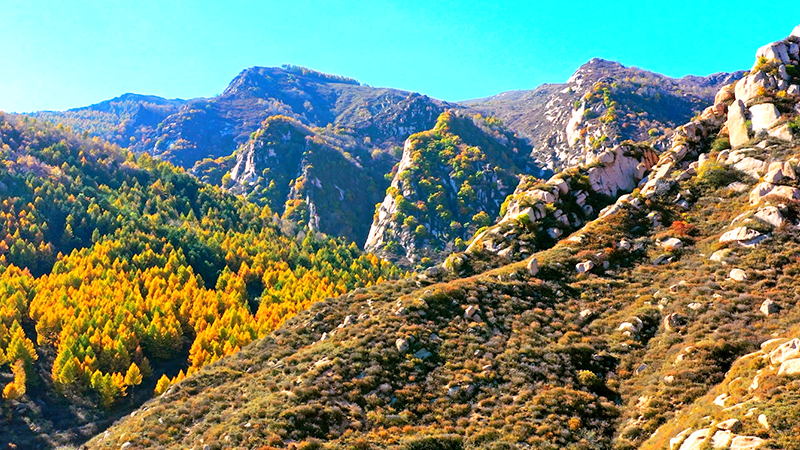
313,179
601,105
215,127
667,322
451,181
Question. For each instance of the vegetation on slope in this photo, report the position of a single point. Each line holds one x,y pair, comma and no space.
451,182
118,269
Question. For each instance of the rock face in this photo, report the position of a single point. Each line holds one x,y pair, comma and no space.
432,202
215,127
534,203
306,178
570,124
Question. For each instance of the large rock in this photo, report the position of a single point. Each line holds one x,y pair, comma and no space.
763,116
777,51
769,307
768,189
673,321
729,425
618,174
533,266
771,215
584,266
737,123
402,344
786,351
751,166
782,132
739,234
721,439
738,275
671,243
745,443
678,439
790,367
696,440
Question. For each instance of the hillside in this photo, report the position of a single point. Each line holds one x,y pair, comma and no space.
666,322
124,120
215,127
121,274
314,179
450,182
601,105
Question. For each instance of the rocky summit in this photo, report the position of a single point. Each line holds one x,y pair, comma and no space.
607,263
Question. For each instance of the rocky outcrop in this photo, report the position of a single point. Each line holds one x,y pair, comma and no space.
450,182
539,207
756,94
602,105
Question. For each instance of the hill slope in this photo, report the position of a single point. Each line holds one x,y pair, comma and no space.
116,270
622,336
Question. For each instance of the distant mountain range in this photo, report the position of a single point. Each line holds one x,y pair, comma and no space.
348,137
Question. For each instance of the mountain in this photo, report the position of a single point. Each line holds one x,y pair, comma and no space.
450,182
120,274
215,127
312,178
124,120
601,105
668,321
353,137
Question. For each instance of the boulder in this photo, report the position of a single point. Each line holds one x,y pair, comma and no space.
624,245
402,344
423,354
673,321
696,440
785,352
745,443
586,314
790,367
763,116
721,439
125,446
678,439
729,425
584,266
719,255
737,275
739,234
737,124
769,307
543,196
751,166
774,173
762,419
559,182
533,266
771,215
750,87
470,311
671,243
777,51
765,189
781,132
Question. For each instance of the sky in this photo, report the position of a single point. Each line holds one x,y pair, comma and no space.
59,54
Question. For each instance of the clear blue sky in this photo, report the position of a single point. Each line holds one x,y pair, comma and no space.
61,54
